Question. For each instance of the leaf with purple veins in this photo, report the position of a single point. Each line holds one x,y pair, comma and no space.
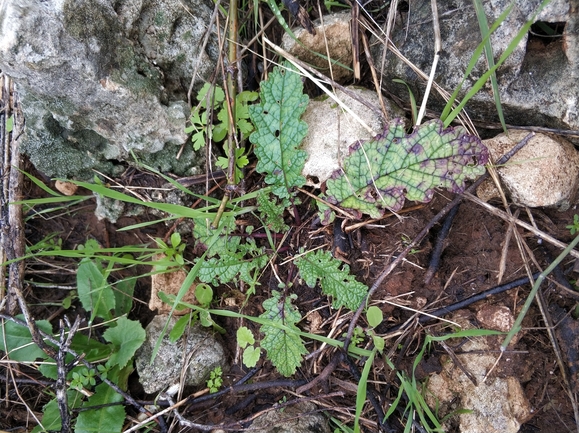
381,173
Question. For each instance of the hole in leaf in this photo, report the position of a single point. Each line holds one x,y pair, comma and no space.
314,180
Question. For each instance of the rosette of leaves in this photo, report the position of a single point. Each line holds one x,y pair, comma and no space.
381,173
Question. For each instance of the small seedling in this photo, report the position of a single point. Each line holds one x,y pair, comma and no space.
174,252
246,341
215,380
83,378
574,228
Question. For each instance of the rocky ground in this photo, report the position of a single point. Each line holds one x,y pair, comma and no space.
531,388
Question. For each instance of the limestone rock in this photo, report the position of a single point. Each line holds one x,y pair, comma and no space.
537,82
335,32
101,78
331,130
296,418
497,405
545,172
198,348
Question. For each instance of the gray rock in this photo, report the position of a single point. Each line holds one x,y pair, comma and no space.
537,83
198,348
99,79
298,418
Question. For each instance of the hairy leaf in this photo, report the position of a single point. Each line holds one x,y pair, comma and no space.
203,233
380,173
272,212
230,264
127,337
334,277
279,130
284,347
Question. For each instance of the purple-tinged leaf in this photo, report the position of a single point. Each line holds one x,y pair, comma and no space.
381,173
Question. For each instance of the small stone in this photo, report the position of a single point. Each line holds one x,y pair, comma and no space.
170,283
498,318
198,347
67,188
545,172
335,35
497,405
296,418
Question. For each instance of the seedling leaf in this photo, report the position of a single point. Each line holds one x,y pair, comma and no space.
279,130
251,356
244,337
284,346
334,277
127,337
380,173
374,316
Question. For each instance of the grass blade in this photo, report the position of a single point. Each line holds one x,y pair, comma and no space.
480,82
484,30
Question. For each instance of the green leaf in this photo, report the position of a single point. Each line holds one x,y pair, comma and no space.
374,316
244,337
284,346
279,130
272,212
51,413
216,98
380,173
94,292
202,232
334,277
123,292
230,264
108,419
204,295
19,345
179,327
127,337
250,356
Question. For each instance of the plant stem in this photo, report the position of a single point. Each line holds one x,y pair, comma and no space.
230,95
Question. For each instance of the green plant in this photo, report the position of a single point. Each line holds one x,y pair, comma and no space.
377,175
215,380
212,99
246,341
174,252
123,337
380,173
574,228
